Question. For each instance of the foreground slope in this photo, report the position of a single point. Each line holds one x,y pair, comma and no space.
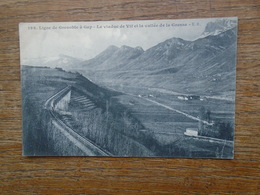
92,113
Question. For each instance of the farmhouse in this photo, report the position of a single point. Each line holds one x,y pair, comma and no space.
191,132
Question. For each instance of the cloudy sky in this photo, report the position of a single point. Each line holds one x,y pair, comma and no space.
85,40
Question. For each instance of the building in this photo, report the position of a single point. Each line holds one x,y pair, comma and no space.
191,132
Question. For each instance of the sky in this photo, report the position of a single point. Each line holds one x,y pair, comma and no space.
85,40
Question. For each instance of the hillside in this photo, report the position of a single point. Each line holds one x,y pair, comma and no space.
112,57
93,112
204,66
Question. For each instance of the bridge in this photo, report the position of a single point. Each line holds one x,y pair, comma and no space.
58,107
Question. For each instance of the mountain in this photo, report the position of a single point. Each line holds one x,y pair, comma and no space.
99,59
113,57
160,56
204,66
61,61
219,26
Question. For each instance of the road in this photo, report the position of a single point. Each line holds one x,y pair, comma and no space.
167,107
190,94
84,144
160,104
178,111
202,138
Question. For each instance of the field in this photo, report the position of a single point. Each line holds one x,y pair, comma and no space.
133,122
168,127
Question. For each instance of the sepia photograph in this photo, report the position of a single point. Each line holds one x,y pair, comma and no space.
145,88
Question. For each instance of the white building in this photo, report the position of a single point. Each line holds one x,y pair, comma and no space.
191,132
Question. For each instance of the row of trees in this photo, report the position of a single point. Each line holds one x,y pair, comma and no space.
117,133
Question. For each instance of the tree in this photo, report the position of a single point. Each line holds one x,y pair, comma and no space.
208,113
202,113
225,130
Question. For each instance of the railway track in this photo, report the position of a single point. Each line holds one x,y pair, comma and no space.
84,144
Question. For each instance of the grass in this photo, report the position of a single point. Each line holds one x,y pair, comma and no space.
122,124
168,127
114,129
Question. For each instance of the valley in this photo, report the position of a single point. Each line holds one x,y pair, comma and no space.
175,99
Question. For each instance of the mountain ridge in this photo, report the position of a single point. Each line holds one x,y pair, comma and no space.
219,26
203,66
175,64
112,57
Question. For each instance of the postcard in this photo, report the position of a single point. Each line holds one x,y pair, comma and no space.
147,88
